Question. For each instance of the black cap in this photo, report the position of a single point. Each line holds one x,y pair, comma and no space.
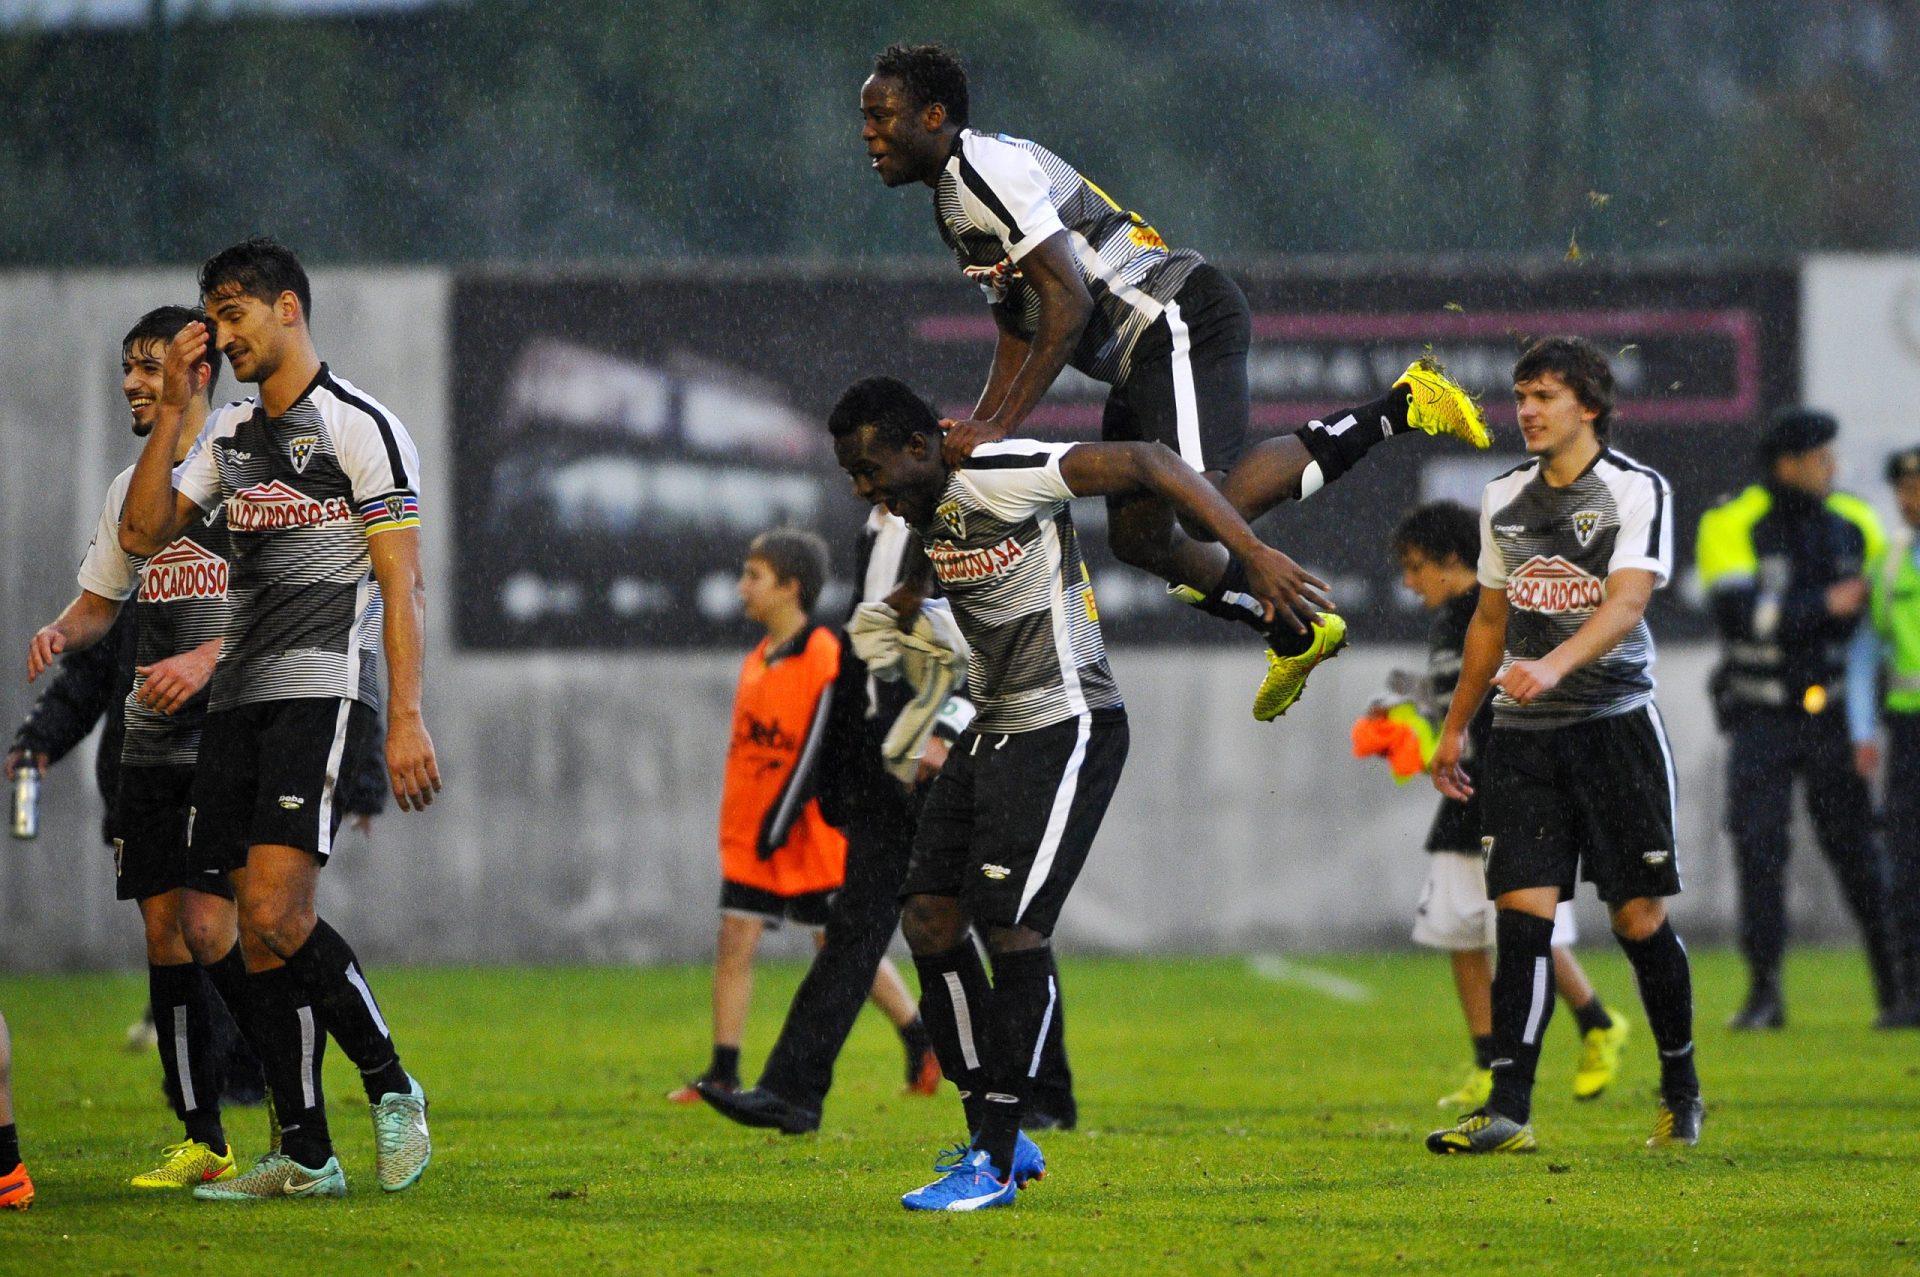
1903,464
1793,429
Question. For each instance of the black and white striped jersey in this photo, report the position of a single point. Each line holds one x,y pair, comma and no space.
302,495
1552,549
1003,547
1000,196
181,597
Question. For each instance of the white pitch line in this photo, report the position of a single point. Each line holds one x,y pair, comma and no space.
1271,966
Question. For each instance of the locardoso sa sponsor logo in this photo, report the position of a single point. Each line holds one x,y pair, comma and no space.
1551,584
184,570
269,507
956,566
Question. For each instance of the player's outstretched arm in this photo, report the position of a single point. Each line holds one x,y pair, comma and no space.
1479,661
1116,469
1052,271
1627,592
155,513
411,765
80,625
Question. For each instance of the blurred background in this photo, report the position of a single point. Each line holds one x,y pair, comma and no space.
611,264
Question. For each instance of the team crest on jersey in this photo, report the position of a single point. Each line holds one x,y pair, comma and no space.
1549,583
300,451
951,514
1585,524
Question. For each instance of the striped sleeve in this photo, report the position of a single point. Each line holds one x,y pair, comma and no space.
1013,478
1008,192
379,459
1645,539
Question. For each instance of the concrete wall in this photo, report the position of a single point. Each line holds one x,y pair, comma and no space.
578,819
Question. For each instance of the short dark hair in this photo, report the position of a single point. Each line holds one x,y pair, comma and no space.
1439,530
929,73
161,324
887,404
794,554
260,267
1580,364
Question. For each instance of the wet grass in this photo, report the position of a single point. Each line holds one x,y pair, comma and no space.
1232,1122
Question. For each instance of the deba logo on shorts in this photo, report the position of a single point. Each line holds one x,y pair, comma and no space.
184,570
1551,584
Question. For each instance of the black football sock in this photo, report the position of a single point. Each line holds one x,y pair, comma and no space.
295,1034
914,1039
1482,1050
955,1001
181,999
9,1146
1338,443
1666,991
1025,985
1522,1006
1592,1016
1229,598
330,976
724,1066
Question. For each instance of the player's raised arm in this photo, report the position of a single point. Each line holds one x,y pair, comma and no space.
1114,469
155,513
1051,271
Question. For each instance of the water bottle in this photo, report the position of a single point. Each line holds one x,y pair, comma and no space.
26,799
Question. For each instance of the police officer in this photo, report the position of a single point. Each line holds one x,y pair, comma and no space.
1784,565
1885,666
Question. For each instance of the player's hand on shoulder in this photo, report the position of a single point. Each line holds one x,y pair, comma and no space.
411,765
1292,594
963,437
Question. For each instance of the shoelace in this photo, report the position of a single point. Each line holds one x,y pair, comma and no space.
952,1158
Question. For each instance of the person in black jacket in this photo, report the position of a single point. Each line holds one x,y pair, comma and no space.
1784,565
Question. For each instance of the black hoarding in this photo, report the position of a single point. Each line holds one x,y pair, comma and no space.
621,438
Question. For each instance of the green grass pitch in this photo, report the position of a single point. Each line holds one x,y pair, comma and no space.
1237,1117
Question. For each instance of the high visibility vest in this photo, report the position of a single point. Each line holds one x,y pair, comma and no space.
1896,615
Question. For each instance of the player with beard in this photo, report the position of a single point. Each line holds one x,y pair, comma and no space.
320,488
180,598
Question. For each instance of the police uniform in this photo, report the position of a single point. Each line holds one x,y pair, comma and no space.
1767,559
1886,668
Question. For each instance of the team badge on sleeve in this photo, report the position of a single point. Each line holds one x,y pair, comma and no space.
389,513
1585,524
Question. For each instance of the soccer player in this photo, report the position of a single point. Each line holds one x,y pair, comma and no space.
1072,278
780,859
1437,547
1577,772
16,1186
1009,821
180,599
318,484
